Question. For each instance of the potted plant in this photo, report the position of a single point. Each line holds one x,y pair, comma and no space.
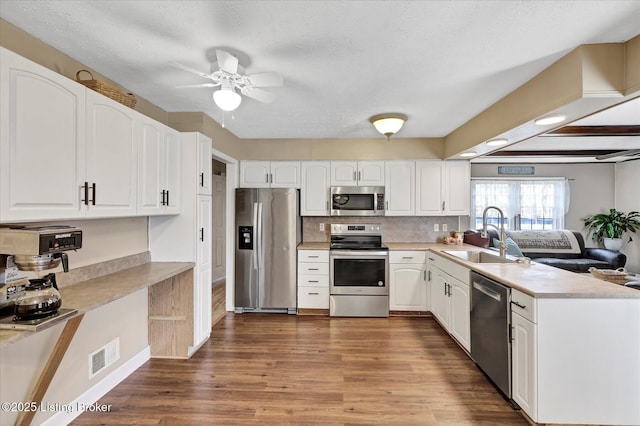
610,227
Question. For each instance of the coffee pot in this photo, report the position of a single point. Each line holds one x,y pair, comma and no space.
39,299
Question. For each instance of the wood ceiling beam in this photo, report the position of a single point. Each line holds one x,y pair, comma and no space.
626,130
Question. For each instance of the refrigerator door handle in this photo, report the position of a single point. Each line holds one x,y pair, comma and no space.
259,252
254,254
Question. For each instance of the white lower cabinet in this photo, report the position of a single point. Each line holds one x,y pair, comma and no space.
450,298
407,281
524,364
313,279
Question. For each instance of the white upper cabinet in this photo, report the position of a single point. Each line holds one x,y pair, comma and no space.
270,174
42,150
443,188
399,188
357,173
111,153
457,188
314,189
159,169
204,165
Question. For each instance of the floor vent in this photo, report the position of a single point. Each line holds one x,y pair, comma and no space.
104,357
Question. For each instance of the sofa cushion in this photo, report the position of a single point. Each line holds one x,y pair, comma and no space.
558,241
573,265
512,247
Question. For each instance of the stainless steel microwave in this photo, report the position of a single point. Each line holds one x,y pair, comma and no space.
357,201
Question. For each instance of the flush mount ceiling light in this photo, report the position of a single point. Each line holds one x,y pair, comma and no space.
388,124
226,98
497,142
550,119
469,154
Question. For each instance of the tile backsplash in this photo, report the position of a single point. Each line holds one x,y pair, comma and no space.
394,229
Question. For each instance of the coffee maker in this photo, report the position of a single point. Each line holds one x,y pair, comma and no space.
35,248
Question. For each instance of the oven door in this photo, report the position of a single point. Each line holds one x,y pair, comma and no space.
359,272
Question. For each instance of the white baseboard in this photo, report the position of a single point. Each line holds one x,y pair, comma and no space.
97,391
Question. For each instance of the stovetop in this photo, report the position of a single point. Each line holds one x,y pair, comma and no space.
9,322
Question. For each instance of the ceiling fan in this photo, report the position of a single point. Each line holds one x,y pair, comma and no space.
229,76
626,153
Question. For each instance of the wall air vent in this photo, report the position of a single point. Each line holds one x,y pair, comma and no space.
104,357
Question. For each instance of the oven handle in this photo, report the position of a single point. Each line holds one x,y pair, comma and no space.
358,253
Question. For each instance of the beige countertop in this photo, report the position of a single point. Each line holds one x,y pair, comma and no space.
535,279
91,294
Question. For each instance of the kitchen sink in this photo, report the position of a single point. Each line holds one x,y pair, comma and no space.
480,256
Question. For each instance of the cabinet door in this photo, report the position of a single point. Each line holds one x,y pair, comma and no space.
344,173
524,368
314,192
440,305
459,325
399,188
150,157
111,156
204,165
457,188
370,173
407,287
171,171
255,174
285,174
202,295
42,134
429,188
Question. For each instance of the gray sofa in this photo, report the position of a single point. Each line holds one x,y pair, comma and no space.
577,258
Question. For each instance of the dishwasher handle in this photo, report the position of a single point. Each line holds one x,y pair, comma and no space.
492,294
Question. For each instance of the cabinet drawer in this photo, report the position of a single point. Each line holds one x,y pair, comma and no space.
407,256
524,305
450,267
313,297
313,255
308,268
313,281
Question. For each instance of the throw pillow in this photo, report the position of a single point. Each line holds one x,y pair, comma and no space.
512,247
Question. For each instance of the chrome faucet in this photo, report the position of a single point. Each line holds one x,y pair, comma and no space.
502,245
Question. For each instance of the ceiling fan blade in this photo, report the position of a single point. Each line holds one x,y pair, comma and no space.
265,79
197,85
258,94
618,154
226,61
189,69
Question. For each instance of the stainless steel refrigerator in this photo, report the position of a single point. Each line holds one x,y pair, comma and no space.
268,230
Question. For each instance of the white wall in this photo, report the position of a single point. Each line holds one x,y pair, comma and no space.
591,185
627,198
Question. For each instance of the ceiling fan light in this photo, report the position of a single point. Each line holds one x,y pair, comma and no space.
550,119
227,99
388,124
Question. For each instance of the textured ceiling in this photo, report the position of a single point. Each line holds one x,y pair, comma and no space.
439,62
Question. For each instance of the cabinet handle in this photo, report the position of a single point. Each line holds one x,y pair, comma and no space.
266,178
201,234
167,197
201,180
271,177
85,187
429,275
313,294
443,206
431,259
312,269
314,281
359,176
518,305
313,257
387,204
407,257
355,176
327,202
445,289
512,335
425,275
93,187
162,194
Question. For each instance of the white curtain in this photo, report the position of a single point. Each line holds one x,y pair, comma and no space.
526,203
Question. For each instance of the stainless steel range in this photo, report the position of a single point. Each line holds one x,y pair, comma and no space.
358,271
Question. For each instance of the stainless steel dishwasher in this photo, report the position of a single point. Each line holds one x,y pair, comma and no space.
490,330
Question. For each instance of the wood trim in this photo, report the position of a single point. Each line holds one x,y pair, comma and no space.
410,313
312,311
618,130
55,358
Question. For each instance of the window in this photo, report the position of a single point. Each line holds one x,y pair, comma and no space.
526,203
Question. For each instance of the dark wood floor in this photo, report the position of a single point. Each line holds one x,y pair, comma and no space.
275,369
